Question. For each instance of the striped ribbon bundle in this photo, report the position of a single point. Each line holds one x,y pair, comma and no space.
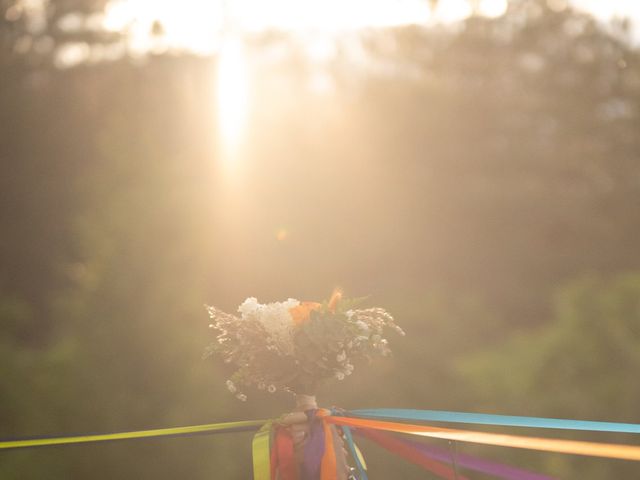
273,455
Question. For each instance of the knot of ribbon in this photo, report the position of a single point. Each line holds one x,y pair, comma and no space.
319,456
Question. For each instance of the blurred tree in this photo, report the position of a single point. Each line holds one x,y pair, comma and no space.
578,366
514,144
36,33
91,286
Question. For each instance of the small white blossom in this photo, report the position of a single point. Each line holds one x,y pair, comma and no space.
275,318
232,388
362,325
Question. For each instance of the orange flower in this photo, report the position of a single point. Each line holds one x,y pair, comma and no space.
336,296
302,312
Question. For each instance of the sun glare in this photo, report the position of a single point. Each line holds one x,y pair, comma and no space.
193,25
232,96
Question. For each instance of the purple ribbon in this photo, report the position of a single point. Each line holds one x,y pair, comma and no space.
313,448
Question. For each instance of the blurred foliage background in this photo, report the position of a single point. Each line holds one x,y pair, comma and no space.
481,181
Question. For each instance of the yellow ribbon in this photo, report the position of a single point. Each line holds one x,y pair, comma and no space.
160,432
261,447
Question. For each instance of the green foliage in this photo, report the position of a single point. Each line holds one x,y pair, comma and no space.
579,365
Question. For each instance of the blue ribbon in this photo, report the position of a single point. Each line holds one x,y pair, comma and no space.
488,419
362,474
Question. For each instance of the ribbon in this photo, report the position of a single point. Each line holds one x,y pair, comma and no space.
467,461
320,459
314,448
410,453
283,457
625,452
359,456
498,420
322,456
355,453
261,453
212,428
329,466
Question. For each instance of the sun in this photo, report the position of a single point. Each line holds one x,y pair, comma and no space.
232,95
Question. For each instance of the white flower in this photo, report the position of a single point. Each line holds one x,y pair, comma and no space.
242,397
341,357
232,388
271,388
249,306
362,326
340,375
275,318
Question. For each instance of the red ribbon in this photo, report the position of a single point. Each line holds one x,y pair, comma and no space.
283,462
411,454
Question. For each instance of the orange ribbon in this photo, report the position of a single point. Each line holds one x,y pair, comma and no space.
329,466
625,452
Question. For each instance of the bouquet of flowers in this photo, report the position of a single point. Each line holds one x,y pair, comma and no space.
295,345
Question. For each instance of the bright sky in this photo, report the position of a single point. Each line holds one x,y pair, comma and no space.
607,9
197,25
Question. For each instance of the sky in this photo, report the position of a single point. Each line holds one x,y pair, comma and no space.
197,25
